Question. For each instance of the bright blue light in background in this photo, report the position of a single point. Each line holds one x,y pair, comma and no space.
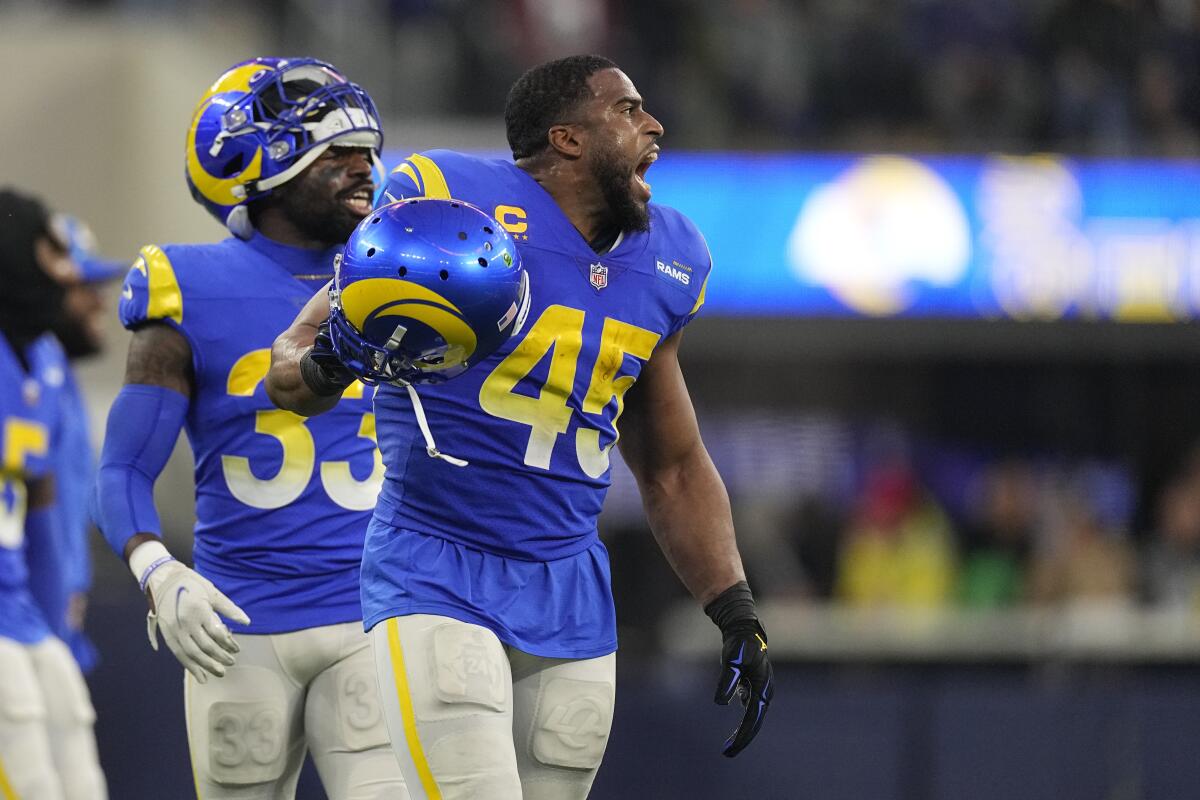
897,236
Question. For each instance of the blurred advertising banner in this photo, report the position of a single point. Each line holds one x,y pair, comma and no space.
993,237
1040,237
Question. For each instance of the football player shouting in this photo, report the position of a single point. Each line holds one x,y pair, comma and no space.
486,588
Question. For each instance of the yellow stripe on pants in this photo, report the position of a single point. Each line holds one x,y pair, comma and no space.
6,790
406,711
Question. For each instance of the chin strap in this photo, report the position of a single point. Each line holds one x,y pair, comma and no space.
430,445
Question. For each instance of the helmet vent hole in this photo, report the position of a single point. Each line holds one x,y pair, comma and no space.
462,236
454,205
488,230
402,271
233,166
444,275
482,261
370,252
376,220
487,246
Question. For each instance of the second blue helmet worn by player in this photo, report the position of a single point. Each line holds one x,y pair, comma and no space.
424,289
267,488
262,122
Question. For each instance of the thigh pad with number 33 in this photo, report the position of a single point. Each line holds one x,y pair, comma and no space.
240,725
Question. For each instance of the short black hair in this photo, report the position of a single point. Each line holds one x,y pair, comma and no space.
31,300
545,96
24,219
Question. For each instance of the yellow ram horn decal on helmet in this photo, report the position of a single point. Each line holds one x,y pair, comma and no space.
235,80
220,190
369,299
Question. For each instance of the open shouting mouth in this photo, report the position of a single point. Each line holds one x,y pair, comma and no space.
358,200
639,173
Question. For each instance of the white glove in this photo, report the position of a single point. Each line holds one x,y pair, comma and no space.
185,605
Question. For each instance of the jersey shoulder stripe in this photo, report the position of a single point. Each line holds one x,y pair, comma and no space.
151,290
419,176
446,175
689,254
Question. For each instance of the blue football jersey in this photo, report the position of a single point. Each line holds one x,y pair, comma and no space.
282,502
62,566
537,419
29,419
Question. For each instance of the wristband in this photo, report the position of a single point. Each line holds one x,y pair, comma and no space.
318,380
735,604
146,558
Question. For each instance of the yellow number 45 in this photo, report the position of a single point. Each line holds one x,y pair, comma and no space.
548,415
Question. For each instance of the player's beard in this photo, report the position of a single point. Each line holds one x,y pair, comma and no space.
309,204
614,176
79,325
76,339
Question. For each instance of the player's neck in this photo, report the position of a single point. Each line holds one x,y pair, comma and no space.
576,195
275,225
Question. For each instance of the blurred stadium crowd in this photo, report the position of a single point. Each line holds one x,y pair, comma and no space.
1076,76
872,517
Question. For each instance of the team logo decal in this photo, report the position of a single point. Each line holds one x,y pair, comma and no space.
599,276
367,301
674,270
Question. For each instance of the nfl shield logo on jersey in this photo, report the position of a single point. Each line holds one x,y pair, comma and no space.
599,276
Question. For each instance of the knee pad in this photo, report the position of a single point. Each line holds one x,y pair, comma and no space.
475,762
239,726
469,669
573,722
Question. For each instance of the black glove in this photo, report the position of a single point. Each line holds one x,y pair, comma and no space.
745,668
320,368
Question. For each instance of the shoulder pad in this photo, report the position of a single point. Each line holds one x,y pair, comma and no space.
425,175
151,290
683,251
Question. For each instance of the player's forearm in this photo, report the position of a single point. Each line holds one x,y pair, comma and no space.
132,458
688,509
285,381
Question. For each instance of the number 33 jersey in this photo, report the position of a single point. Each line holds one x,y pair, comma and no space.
282,502
537,419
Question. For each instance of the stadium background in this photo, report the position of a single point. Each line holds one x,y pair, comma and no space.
951,388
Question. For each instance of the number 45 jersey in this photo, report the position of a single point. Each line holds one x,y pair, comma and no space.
282,502
537,419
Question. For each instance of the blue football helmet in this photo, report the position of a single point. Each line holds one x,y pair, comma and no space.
263,122
423,290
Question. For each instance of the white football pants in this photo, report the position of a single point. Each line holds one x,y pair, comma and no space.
472,718
47,745
308,690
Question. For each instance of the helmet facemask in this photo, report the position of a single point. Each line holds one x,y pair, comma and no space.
258,132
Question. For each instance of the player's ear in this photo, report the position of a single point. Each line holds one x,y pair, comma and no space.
566,139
